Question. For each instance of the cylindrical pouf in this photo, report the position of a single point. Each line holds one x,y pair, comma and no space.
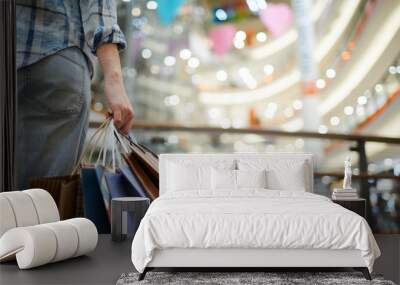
67,240
45,205
41,244
134,205
87,235
23,208
34,245
7,218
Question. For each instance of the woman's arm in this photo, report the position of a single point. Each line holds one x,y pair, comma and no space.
105,38
114,89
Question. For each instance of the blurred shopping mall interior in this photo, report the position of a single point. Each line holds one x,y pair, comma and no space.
317,76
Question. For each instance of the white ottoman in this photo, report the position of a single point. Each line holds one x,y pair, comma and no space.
31,230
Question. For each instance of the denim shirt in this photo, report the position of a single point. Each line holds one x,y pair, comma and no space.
47,26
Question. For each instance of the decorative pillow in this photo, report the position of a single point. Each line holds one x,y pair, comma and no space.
251,178
282,174
181,177
223,179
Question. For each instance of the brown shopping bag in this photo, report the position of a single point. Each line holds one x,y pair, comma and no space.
65,191
144,166
141,173
147,162
147,159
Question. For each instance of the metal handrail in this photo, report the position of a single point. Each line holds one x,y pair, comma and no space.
166,127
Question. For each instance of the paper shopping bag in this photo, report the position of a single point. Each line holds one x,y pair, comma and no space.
136,187
147,159
143,175
64,190
94,207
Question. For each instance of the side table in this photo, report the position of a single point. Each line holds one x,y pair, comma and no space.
357,205
124,209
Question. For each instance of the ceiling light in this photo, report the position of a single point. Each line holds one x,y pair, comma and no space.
348,110
362,100
322,129
256,5
330,73
169,60
392,69
193,62
268,69
238,44
378,88
146,53
221,75
240,36
152,5
297,104
335,121
136,12
320,84
221,14
185,53
261,37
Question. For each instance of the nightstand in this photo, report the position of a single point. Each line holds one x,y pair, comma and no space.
357,205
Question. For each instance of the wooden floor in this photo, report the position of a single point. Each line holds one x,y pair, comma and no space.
110,260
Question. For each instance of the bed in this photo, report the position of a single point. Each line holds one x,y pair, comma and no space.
245,211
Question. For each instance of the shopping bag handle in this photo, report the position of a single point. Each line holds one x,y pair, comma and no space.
96,135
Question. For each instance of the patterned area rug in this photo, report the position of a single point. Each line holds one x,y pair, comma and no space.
242,278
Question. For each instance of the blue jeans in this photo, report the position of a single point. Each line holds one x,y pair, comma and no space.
53,110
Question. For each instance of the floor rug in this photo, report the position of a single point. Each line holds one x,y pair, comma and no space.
243,278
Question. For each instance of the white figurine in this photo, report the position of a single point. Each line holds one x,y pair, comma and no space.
347,174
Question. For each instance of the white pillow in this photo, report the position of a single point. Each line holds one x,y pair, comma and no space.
282,174
293,180
251,178
182,177
223,179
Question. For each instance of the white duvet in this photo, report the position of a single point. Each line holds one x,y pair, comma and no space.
250,219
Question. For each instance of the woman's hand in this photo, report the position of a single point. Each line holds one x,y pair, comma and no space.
114,90
118,102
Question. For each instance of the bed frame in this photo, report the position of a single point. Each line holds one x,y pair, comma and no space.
249,259
238,259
